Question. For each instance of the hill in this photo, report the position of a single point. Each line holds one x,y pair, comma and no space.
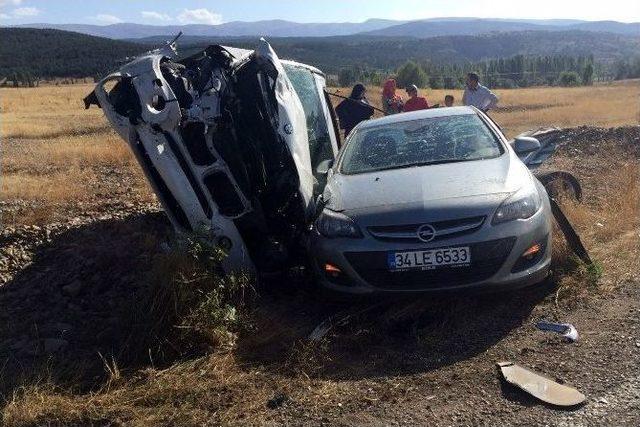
269,28
432,28
71,54
333,53
54,53
380,27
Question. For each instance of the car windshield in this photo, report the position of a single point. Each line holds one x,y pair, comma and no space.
419,142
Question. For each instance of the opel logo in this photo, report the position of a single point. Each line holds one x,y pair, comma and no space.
426,233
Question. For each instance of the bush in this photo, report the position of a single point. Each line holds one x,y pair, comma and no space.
347,76
569,78
587,74
505,83
450,83
411,74
192,306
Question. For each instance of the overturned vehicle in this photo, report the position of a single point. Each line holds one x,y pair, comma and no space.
239,143
235,141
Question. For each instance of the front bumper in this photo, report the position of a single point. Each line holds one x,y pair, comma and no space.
495,251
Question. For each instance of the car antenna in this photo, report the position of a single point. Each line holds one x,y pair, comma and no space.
172,46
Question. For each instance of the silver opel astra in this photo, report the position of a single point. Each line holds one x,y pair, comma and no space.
431,200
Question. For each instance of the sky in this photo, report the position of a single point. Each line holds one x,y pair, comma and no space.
163,12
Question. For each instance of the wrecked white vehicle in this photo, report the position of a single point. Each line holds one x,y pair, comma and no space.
233,141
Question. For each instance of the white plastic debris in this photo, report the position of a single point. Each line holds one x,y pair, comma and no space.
567,330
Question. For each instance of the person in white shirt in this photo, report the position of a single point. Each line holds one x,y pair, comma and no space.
477,95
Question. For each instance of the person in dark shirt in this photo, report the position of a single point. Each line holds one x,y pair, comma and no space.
414,102
354,109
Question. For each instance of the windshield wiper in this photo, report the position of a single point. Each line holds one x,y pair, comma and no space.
410,165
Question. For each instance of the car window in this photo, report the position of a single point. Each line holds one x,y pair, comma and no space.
419,142
319,139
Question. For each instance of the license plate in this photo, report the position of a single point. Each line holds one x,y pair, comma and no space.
429,259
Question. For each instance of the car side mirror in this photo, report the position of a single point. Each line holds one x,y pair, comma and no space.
525,144
324,167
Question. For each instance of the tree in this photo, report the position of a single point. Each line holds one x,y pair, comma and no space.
569,78
587,74
411,74
435,82
449,82
347,76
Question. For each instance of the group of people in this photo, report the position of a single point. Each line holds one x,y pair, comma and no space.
356,107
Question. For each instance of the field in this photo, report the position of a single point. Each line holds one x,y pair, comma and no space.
78,156
81,250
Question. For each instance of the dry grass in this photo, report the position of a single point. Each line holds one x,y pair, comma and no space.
49,111
58,187
65,153
56,154
610,228
604,105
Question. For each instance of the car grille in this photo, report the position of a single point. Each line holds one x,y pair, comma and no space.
486,260
409,233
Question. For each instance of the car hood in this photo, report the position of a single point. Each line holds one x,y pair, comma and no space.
480,184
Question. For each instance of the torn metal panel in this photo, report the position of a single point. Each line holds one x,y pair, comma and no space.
556,181
569,233
292,124
539,386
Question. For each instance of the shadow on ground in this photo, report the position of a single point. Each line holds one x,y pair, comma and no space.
75,305
84,300
377,338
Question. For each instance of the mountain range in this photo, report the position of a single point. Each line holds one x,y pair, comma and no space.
373,27
56,53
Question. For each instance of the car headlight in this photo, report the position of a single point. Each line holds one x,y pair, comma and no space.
335,224
523,204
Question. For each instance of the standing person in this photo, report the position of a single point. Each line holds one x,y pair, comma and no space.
448,100
391,103
477,95
415,102
354,109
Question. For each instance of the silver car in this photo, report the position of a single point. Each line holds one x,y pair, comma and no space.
429,201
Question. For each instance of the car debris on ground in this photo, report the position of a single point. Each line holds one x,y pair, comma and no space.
567,330
539,386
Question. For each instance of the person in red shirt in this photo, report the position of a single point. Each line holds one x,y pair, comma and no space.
414,102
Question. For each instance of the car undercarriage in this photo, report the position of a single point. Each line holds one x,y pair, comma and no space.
223,138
